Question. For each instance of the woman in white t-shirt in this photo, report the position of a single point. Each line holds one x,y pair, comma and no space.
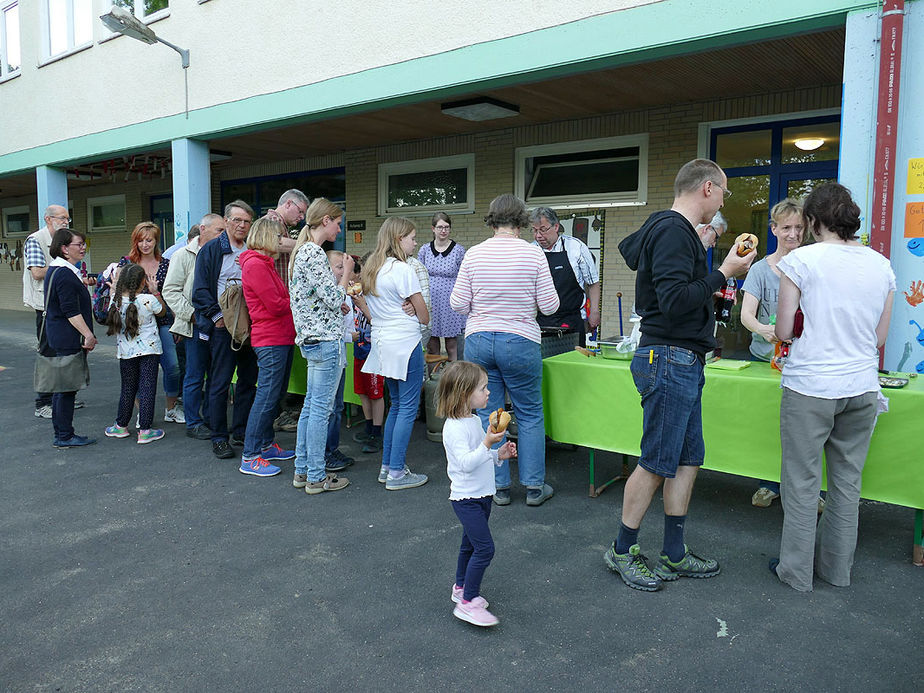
396,311
133,317
830,385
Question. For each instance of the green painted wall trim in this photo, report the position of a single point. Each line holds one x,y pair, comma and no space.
651,32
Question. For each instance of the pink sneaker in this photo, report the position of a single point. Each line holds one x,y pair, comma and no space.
476,615
457,597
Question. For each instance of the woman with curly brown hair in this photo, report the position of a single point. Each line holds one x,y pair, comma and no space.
503,283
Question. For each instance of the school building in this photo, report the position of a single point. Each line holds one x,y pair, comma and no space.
412,107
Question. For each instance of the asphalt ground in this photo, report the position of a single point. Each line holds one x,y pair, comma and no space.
160,568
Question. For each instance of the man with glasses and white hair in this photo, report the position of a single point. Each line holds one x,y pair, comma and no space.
710,233
290,210
37,256
574,274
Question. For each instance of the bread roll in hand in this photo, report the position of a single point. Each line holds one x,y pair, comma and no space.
499,421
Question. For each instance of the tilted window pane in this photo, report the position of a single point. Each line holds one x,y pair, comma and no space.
11,49
585,178
427,188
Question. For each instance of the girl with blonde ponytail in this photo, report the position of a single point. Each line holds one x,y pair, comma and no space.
316,298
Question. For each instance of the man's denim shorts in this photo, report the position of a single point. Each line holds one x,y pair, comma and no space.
670,380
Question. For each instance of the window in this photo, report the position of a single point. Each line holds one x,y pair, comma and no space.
106,214
68,26
144,9
10,57
608,172
16,222
424,186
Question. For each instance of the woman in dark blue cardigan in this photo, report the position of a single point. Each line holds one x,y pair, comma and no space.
68,324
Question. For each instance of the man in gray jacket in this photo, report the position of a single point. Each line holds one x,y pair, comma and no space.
178,293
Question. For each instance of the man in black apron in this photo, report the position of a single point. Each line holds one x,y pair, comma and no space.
547,232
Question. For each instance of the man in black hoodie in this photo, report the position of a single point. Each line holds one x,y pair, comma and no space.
674,295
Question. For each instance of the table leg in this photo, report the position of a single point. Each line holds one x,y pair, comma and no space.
597,490
917,555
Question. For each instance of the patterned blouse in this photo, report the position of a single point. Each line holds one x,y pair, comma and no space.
159,277
315,297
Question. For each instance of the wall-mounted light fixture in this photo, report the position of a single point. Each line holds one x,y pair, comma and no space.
123,22
809,144
480,108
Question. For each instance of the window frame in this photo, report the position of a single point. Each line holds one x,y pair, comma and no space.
433,164
590,200
138,11
72,45
7,212
4,41
105,199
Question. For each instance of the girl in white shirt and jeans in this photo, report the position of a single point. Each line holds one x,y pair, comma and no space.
396,310
470,462
830,385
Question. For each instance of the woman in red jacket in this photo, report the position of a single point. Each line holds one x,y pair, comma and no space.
272,334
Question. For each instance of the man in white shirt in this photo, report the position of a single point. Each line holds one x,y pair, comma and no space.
37,260
574,274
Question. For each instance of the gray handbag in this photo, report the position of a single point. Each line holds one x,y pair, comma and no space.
59,373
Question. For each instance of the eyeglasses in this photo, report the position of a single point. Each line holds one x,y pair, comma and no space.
442,227
79,244
237,221
725,191
541,229
63,217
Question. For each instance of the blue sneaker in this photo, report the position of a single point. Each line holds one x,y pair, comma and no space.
74,441
259,467
274,453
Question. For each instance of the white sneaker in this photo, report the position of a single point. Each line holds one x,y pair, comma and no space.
176,414
43,412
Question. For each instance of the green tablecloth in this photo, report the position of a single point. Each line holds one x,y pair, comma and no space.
593,402
297,379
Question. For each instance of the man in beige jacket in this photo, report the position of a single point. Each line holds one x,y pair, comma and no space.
177,292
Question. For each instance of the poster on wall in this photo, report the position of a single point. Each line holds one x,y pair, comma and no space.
588,227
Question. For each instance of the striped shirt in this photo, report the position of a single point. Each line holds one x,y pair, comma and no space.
502,284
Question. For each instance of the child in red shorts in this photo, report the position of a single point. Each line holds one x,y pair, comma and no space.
369,386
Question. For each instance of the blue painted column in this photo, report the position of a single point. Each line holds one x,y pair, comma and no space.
51,188
192,186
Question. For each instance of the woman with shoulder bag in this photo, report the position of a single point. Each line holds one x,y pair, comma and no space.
68,325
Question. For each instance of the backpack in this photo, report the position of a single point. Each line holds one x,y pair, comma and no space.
235,313
101,299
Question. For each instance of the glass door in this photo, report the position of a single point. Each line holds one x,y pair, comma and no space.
162,215
766,163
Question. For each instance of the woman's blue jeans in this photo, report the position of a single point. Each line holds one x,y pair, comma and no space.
168,362
405,400
514,364
274,364
323,375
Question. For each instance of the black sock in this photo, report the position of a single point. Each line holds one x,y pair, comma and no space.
627,537
368,427
377,431
673,537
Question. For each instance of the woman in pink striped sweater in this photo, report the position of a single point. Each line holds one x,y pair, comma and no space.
503,282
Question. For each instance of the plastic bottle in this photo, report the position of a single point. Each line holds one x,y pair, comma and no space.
726,303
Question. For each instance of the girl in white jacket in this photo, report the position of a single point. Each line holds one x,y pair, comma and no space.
464,387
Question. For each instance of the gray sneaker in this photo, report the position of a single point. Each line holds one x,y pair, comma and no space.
331,482
537,495
300,480
383,473
632,568
690,565
409,480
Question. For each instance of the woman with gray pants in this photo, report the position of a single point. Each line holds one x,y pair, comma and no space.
830,385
